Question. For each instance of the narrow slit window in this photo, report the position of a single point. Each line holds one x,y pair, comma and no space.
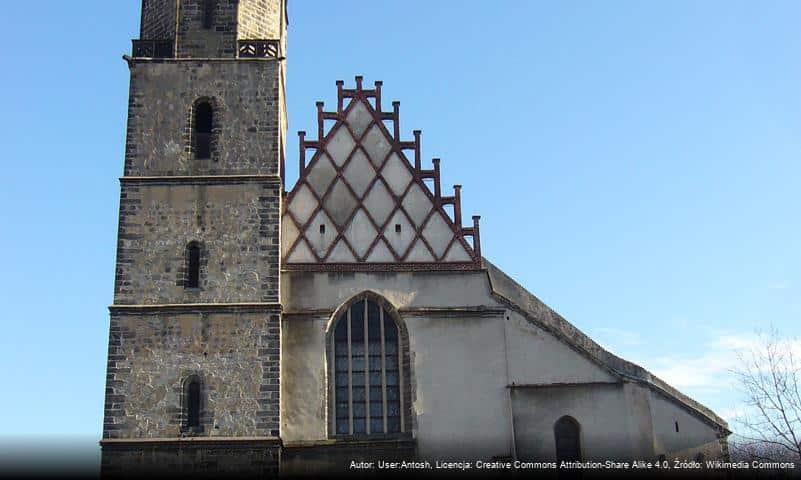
204,118
677,427
193,266
193,405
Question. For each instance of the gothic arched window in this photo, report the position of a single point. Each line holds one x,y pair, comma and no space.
368,368
203,119
192,266
568,443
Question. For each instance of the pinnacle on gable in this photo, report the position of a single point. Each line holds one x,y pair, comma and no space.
360,173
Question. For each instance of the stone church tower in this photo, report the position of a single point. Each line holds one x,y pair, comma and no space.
349,317
194,346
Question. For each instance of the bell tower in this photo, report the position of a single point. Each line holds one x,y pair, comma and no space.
194,344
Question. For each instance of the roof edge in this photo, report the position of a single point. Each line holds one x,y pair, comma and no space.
511,293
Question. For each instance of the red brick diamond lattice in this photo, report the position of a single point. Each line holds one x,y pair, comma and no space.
360,205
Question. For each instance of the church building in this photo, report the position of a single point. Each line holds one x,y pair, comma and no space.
351,316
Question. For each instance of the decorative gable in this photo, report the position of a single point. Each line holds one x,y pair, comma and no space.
359,204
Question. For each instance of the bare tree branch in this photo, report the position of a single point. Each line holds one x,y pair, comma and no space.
770,380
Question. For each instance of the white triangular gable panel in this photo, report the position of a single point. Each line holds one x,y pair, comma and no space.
380,254
419,253
302,253
321,238
340,254
359,173
457,253
359,118
437,233
399,240
417,204
289,233
320,174
340,203
379,203
303,204
360,233
377,145
340,145
396,173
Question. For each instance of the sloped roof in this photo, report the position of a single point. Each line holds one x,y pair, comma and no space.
513,295
360,204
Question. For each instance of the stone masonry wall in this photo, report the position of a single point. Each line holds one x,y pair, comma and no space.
205,459
246,128
158,19
236,226
196,41
235,354
260,19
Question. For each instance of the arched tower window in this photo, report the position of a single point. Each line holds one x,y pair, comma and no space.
203,119
368,371
192,266
208,13
568,442
192,404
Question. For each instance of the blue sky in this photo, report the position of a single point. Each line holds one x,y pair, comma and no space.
636,166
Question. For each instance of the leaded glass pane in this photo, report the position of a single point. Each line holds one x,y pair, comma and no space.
377,425
359,410
358,425
341,333
375,363
342,394
358,379
374,324
341,364
342,426
376,409
393,394
390,330
357,322
357,348
374,347
342,410
393,409
358,394
375,394
393,424
342,379
392,378
392,362
391,348
358,363
375,378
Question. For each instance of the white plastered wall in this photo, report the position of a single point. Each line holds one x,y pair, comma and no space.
693,432
471,370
